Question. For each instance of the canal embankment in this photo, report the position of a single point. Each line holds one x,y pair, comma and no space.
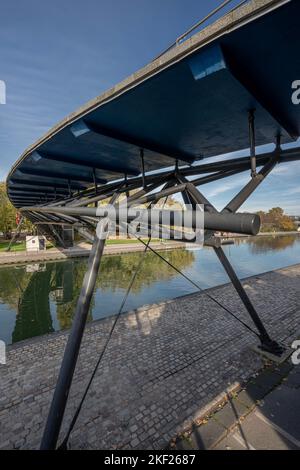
83,249
165,365
78,251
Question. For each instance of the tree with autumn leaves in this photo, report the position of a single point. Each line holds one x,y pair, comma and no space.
8,215
276,221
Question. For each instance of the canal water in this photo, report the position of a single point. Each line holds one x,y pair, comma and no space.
40,298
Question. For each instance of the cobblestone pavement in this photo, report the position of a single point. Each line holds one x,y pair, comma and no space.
164,364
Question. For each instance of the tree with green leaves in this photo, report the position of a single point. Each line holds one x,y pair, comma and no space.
7,213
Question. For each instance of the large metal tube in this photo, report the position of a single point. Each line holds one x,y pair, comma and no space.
248,224
244,223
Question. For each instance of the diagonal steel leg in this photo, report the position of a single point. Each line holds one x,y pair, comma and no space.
267,343
61,393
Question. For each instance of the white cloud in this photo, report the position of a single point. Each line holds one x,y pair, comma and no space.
229,186
295,190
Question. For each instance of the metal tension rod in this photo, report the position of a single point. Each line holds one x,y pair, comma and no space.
126,184
69,187
61,393
95,181
143,167
252,142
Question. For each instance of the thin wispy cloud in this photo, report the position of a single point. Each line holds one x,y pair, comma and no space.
224,186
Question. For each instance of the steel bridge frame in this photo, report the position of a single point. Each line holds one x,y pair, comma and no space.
76,210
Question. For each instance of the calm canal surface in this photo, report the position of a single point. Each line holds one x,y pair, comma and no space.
40,298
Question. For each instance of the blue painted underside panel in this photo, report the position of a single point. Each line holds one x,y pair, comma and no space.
195,109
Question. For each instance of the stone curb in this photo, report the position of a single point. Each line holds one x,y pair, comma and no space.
228,409
56,255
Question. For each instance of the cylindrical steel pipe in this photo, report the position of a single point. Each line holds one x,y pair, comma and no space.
244,223
248,224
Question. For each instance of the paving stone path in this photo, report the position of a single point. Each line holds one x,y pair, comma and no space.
263,415
164,365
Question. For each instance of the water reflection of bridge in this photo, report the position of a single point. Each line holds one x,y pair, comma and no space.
44,295
32,290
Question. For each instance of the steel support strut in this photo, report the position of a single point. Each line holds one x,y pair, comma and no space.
65,377
143,167
252,142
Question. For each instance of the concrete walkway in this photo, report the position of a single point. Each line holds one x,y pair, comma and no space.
166,367
262,416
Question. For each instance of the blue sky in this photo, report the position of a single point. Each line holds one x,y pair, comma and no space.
54,56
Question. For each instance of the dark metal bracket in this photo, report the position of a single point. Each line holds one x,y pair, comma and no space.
77,210
143,167
71,353
251,120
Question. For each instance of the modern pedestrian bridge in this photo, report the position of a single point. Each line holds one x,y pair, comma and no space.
188,105
227,88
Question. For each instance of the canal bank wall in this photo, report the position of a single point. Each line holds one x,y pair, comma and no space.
83,249
166,365
261,234
21,257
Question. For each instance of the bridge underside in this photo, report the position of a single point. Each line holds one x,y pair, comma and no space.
78,212
187,106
